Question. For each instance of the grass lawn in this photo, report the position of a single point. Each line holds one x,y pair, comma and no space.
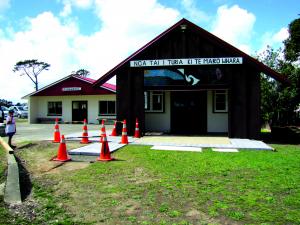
5,216
166,187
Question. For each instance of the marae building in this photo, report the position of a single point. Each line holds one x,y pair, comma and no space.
184,81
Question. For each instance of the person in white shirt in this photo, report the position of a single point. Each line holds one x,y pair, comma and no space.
10,128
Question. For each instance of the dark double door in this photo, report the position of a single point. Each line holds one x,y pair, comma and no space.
189,112
79,111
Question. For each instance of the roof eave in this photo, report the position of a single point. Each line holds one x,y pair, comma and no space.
260,66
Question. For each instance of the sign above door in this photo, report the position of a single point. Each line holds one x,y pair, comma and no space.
186,62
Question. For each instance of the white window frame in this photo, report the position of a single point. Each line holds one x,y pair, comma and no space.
149,97
220,92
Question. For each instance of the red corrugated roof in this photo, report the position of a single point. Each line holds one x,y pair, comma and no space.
106,86
88,79
111,87
260,66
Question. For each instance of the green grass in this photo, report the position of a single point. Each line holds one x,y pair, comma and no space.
5,216
165,187
2,164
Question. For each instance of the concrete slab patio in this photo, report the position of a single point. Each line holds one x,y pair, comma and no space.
204,142
172,143
39,132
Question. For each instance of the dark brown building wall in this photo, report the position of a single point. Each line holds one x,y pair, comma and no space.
254,122
130,99
244,104
238,105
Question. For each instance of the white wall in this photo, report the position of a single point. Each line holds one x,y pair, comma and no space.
160,121
32,109
216,122
38,106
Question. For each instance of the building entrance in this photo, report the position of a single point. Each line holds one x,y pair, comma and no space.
79,110
189,112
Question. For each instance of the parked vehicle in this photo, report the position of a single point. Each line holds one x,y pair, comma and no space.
5,110
19,111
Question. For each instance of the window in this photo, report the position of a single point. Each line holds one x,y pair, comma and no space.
54,108
220,101
154,101
107,107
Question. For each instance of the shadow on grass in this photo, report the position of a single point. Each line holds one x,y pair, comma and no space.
29,145
25,181
270,138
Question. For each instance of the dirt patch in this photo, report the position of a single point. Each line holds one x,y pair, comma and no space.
132,207
66,166
25,210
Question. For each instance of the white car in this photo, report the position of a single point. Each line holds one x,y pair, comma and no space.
19,111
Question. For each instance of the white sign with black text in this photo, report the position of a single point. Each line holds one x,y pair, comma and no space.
186,62
71,89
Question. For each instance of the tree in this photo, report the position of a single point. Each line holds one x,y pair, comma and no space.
82,73
292,44
32,68
6,103
278,101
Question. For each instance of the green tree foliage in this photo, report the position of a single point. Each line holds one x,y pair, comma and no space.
32,68
82,73
6,103
279,101
292,44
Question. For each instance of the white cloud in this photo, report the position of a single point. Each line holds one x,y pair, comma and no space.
37,42
48,39
132,24
68,4
193,12
67,10
281,35
275,40
84,4
234,25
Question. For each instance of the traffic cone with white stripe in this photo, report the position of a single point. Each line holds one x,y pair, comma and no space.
62,154
124,139
137,130
105,153
103,131
84,139
56,136
114,131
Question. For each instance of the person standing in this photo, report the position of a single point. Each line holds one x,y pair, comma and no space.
10,128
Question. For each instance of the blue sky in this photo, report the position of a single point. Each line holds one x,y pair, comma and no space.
98,34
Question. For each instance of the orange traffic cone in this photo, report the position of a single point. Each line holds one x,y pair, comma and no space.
105,153
137,130
114,131
62,154
85,139
56,135
103,131
124,139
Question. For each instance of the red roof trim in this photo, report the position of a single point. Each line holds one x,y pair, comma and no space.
261,67
106,86
86,79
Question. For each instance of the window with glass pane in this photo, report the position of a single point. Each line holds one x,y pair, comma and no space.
107,107
54,108
154,101
157,101
220,101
